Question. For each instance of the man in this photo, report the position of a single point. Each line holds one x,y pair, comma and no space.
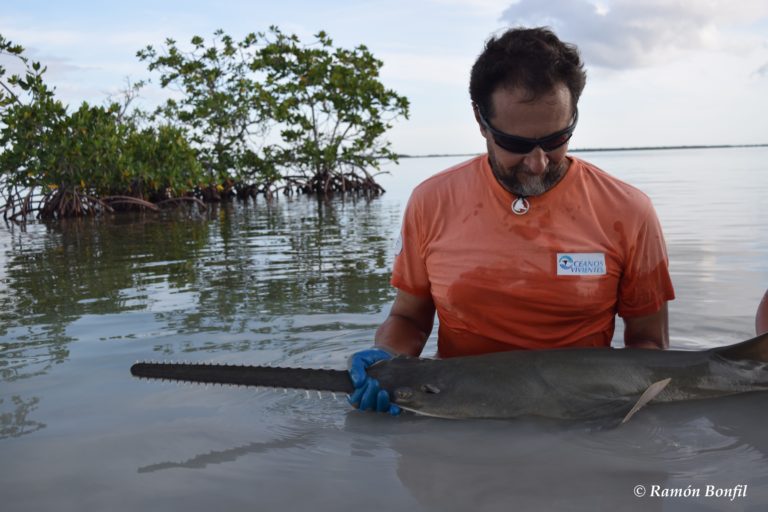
525,247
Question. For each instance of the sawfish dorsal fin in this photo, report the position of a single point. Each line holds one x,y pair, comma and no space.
648,395
755,349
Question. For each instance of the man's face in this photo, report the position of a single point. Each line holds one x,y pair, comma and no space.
535,172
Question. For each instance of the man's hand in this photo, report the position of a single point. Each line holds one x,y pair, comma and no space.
368,396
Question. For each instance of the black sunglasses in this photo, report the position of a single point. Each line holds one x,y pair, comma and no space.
522,145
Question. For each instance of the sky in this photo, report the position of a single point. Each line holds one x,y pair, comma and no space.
660,72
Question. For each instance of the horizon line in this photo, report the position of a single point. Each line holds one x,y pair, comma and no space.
629,148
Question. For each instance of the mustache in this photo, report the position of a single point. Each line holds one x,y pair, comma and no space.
552,168
523,168
520,179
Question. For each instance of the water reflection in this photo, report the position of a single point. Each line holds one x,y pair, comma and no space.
85,267
15,421
270,266
299,441
280,274
236,272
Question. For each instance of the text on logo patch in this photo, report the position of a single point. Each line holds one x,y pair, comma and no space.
581,264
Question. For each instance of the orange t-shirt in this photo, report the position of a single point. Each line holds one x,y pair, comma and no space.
588,248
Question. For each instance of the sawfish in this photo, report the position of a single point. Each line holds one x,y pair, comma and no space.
568,383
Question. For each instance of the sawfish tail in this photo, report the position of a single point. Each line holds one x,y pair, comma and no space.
245,375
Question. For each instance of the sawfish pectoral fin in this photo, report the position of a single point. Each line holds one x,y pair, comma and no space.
648,395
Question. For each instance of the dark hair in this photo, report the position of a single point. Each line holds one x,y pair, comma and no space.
533,59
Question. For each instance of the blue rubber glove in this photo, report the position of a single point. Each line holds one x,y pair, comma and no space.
368,396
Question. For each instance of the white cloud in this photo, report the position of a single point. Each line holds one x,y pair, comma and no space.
55,66
11,64
623,34
429,69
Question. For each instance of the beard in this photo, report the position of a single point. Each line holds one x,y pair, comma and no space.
521,181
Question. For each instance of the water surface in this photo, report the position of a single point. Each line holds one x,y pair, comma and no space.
305,282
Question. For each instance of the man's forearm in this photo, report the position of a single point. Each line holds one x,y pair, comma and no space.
649,331
401,335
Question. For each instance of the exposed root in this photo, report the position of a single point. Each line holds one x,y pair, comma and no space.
132,201
324,184
176,201
53,202
69,202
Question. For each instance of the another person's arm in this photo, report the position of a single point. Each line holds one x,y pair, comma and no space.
649,331
761,317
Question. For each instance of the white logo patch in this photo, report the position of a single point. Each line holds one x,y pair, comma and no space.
581,264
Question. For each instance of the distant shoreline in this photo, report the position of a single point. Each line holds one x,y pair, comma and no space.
589,150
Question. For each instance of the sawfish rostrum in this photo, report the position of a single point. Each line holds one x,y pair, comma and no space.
561,383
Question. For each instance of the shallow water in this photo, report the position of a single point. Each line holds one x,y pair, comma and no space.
304,283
